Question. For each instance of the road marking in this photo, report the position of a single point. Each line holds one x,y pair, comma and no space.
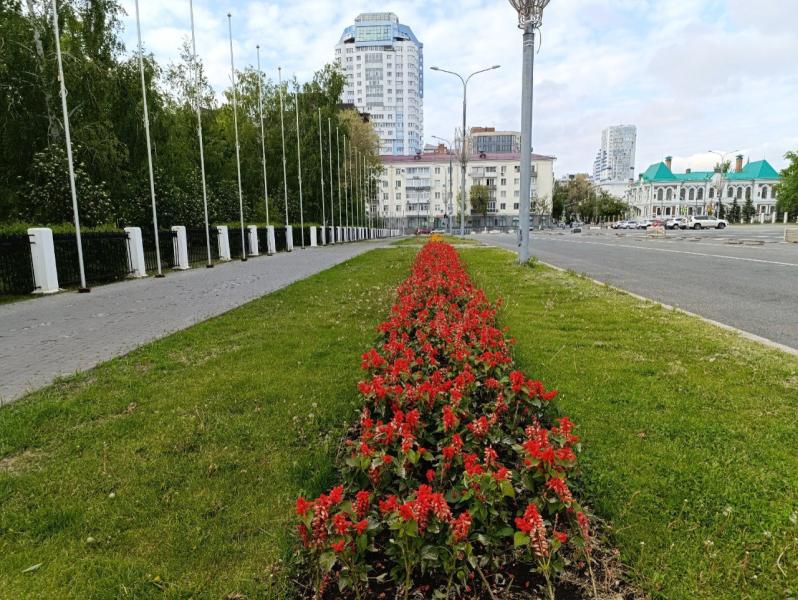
755,260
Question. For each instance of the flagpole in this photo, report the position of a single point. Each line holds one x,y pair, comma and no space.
321,176
299,171
262,138
332,196
149,144
338,163
346,190
197,99
238,152
68,139
282,137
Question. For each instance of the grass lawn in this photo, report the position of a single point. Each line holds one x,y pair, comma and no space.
691,433
172,472
455,240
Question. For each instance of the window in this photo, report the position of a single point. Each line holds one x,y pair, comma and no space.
504,180
437,170
515,206
711,193
660,193
517,180
764,192
398,207
700,194
398,196
385,196
503,194
502,206
437,195
398,183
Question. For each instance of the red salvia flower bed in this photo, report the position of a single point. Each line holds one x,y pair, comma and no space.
457,471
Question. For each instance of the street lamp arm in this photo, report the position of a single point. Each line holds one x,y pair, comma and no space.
460,77
481,71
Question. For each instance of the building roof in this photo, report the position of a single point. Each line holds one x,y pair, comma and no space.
659,172
434,157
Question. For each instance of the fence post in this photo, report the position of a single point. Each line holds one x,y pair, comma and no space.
135,252
289,238
323,231
313,243
42,249
252,235
180,245
271,244
223,240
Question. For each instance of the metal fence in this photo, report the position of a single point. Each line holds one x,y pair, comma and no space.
16,268
234,235
167,251
198,245
105,257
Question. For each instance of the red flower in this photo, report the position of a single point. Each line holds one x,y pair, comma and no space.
341,523
559,487
361,526
461,526
302,506
406,511
338,547
362,501
387,458
430,475
389,504
337,494
562,536
532,525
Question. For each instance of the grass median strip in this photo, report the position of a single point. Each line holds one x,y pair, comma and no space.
172,471
689,430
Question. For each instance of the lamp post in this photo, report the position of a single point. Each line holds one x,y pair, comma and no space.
720,185
449,207
464,150
282,139
262,138
530,18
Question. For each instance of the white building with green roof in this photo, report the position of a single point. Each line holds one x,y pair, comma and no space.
661,192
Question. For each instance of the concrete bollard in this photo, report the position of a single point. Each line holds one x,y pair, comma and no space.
339,235
313,243
271,245
289,238
323,232
42,249
252,237
223,241
180,246
135,252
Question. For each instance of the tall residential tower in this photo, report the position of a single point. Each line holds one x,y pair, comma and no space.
615,161
384,67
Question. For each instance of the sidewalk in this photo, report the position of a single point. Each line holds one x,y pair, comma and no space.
57,335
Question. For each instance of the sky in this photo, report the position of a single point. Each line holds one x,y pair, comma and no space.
692,76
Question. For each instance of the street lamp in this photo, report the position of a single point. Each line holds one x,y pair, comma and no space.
721,176
464,150
530,18
449,207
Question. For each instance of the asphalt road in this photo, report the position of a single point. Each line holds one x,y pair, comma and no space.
743,276
43,338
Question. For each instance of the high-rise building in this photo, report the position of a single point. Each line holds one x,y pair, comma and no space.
384,67
615,160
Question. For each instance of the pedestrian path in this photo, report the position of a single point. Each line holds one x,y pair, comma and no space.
57,335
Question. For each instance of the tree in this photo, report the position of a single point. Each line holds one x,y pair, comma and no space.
748,210
558,200
787,189
479,197
735,212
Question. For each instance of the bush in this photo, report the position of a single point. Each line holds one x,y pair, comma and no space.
456,471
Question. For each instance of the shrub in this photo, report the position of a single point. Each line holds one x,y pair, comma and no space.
456,471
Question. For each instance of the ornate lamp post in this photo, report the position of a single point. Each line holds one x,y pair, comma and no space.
530,18
464,149
720,179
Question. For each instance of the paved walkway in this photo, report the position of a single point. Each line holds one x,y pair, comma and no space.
57,335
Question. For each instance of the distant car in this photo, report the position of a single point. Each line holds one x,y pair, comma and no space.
644,224
423,231
658,222
576,227
439,231
629,224
706,222
676,223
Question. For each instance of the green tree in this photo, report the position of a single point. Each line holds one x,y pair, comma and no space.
735,212
787,188
748,210
479,197
559,200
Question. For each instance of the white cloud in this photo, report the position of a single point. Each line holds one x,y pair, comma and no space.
690,75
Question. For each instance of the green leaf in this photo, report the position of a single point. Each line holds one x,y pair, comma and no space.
520,539
327,561
507,489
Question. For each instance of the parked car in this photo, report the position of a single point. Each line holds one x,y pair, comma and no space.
658,222
676,223
644,224
576,227
629,225
423,231
706,222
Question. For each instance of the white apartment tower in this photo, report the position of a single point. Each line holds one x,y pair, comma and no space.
384,67
615,161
